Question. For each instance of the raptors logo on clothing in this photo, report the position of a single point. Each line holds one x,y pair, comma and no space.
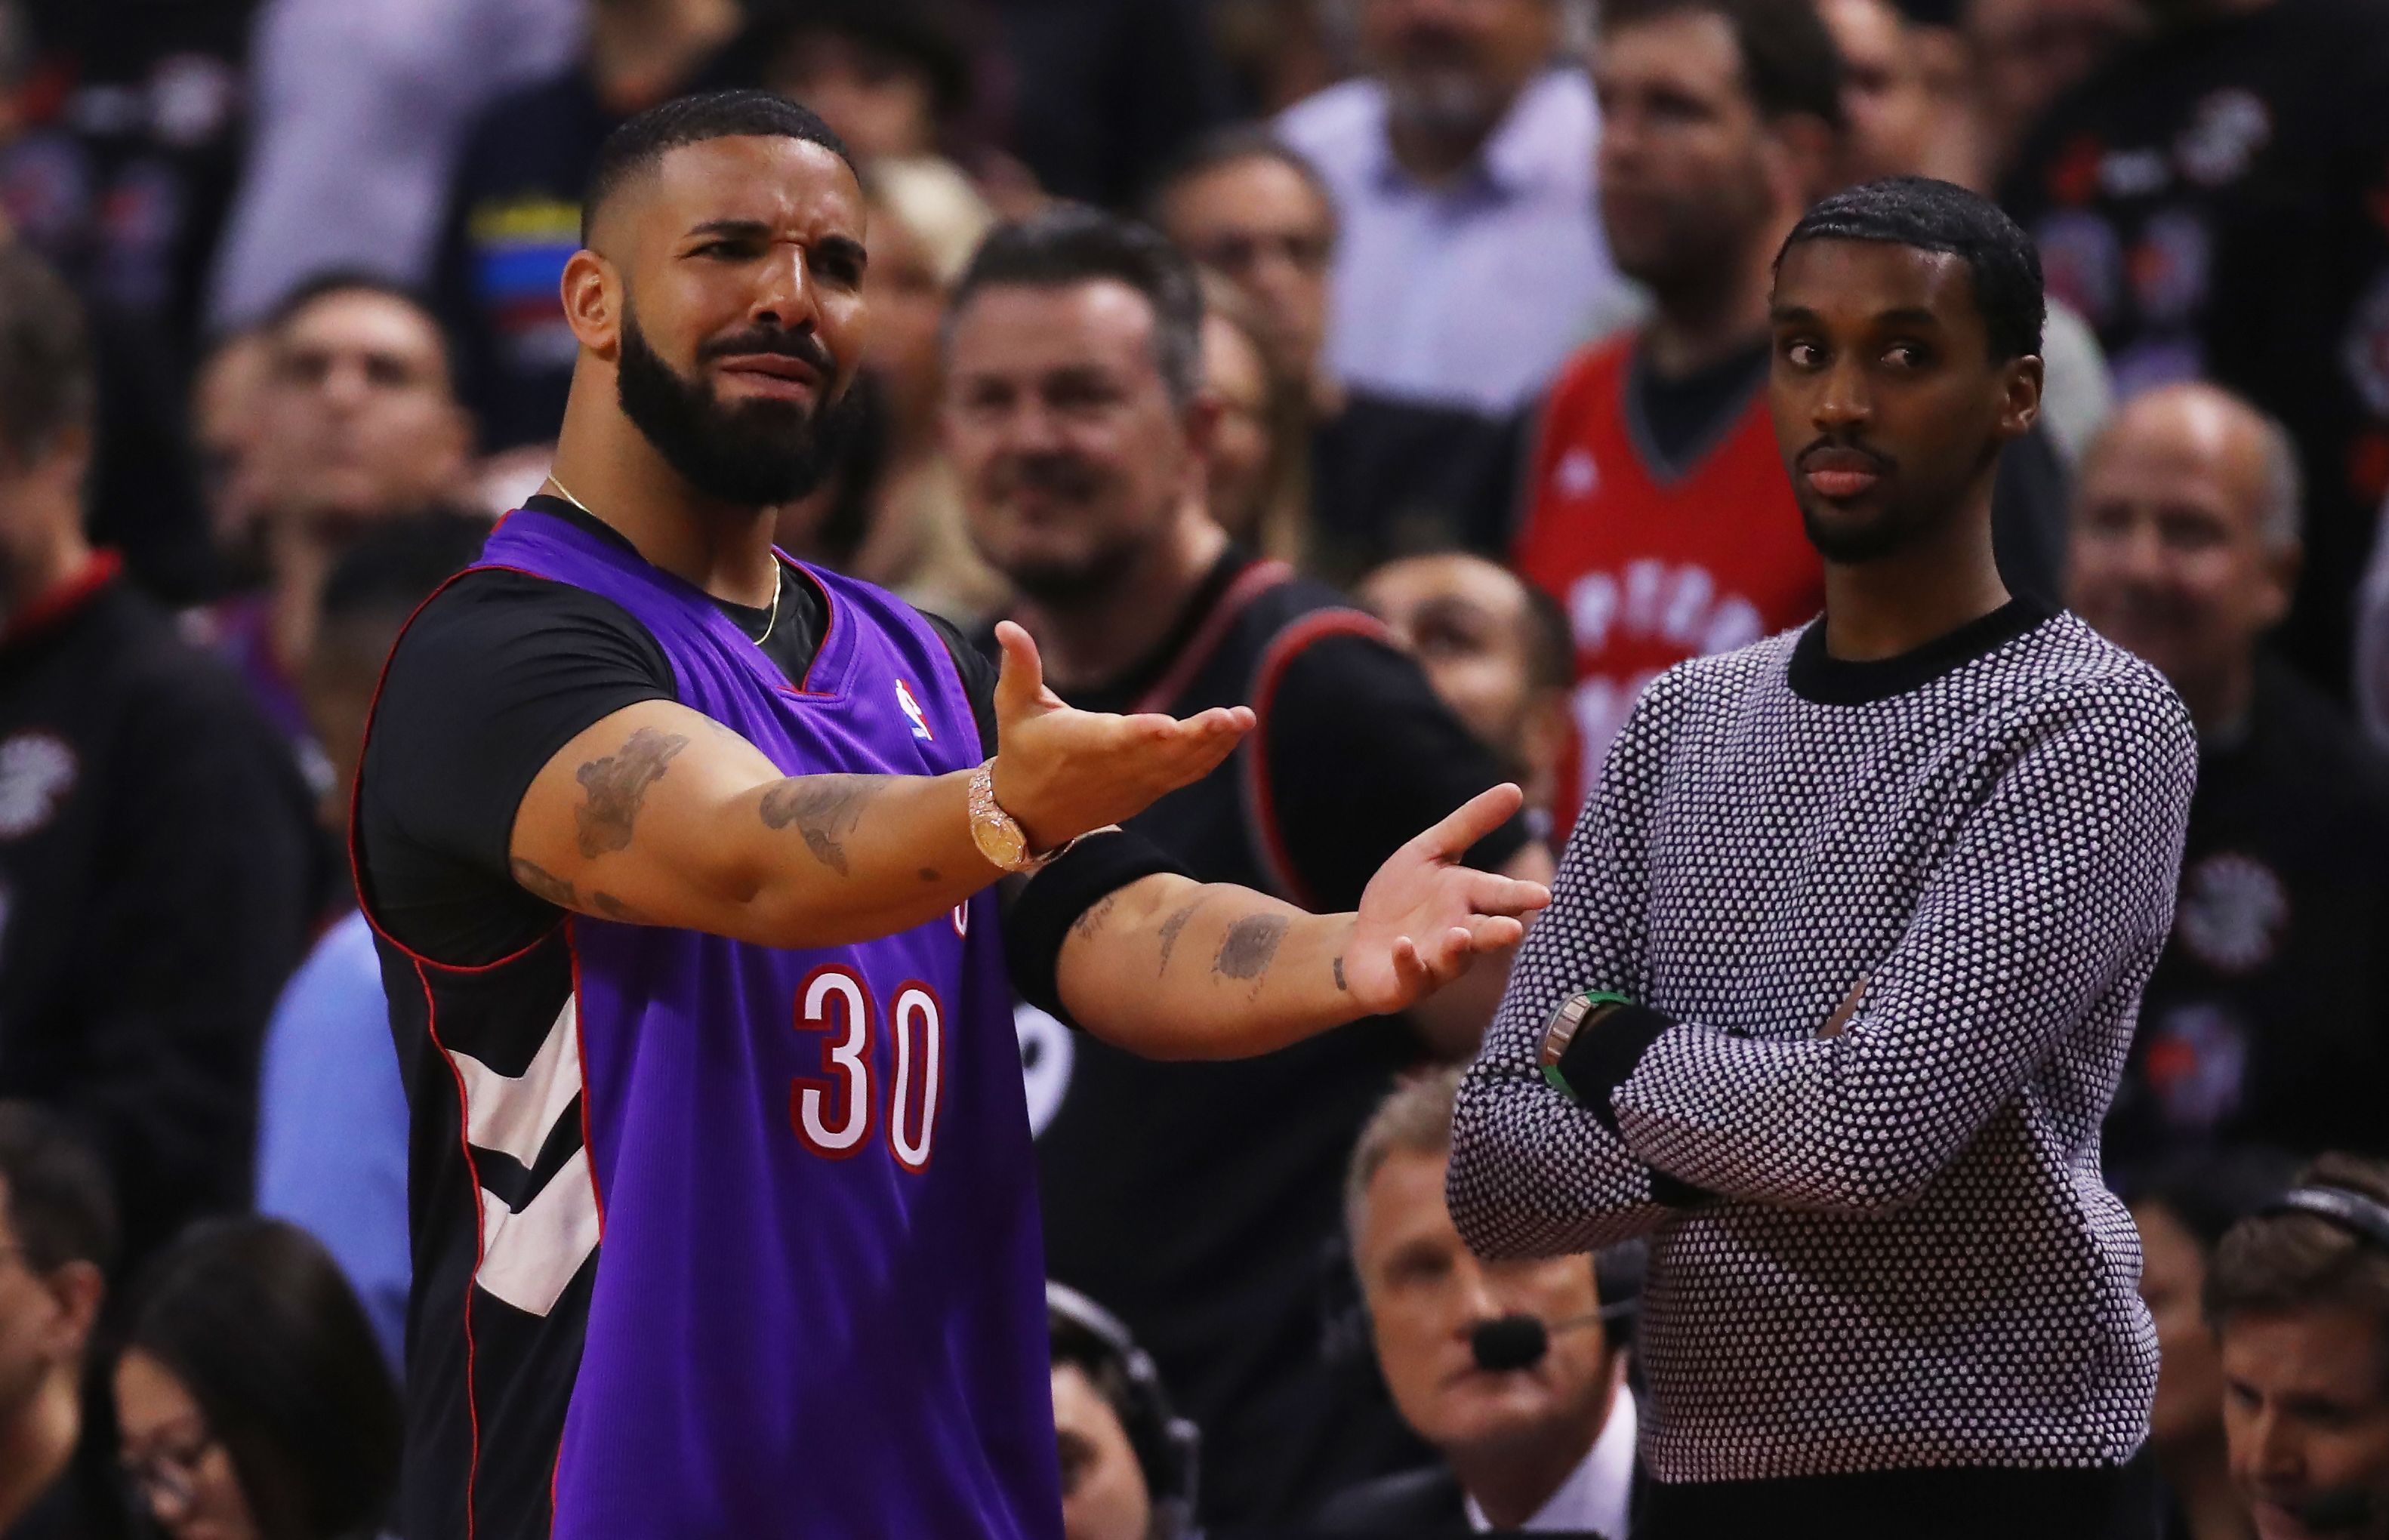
1657,560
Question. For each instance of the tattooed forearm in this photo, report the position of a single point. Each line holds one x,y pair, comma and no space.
540,882
617,784
1340,986
614,908
1251,942
825,810
1171,926
1091,921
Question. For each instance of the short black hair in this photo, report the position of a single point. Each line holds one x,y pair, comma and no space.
1227,146
320,285
60,1207
928,35
48,383
256,1320
1941,216
638,144
1789,62
398,565
1071,243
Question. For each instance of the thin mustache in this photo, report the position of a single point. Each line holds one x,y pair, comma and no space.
802,346
1882,462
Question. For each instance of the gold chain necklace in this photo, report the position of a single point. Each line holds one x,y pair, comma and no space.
779,578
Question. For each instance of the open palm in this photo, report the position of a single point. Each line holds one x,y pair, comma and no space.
1425,918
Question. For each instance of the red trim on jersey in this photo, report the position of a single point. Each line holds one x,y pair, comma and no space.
63,598
1283,649
803,688
1249,585
473,1280
356,794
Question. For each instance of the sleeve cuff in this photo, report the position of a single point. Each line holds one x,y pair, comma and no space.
1600,1058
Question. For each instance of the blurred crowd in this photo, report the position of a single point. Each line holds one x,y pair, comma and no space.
1474,344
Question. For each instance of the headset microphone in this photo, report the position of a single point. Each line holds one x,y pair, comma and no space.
1510,1342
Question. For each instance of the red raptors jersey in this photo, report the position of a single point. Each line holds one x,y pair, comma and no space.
1654,563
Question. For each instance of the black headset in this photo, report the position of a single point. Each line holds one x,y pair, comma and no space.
2360,1213
1168,1447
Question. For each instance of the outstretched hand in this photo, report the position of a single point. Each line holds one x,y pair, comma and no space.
1060,771
1425,918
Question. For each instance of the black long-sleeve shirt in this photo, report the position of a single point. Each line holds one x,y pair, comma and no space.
158,878
1889,1247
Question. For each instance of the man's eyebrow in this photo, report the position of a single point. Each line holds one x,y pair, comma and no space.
1784,315
1908,315
846,247
748,228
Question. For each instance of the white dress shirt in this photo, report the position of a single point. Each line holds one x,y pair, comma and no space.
1471,292
1594,1498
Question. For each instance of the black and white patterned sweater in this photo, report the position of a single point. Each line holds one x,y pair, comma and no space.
1889,1247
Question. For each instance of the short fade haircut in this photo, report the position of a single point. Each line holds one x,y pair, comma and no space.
1415,1120
48,383
2278,1264
59,1202
637,146
1789,63
309,291
1940,216
1228,146
1072,244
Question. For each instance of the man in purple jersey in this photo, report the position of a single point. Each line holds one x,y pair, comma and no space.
679,857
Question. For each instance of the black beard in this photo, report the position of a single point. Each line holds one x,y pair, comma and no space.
757,454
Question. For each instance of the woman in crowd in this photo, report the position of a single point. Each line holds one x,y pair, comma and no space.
2182,1208
251,1401
1257,468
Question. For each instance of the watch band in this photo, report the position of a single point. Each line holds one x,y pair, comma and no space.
1560,1030
987,813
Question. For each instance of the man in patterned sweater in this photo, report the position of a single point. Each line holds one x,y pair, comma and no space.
1842,965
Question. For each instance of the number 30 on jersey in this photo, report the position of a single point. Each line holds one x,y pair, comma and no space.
837,1112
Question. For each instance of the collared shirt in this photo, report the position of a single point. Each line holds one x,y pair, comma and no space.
1473,291
1594,1498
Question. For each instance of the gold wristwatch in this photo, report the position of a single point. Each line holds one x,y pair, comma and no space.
997,834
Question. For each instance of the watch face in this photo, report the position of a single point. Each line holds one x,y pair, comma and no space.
1001,841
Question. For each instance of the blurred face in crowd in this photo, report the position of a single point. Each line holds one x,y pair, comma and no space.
1888,407
1451,67
1468,622
227,420
2170,557
1686,163
1075,460
907,301
878,102
1883,89
45,1320
2029,52
726,286
360,418
1259,222
1103,1496
178,1467
2189,1409
1236,466
1426,1292
2305,1409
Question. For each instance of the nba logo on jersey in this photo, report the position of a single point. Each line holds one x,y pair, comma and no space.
912,709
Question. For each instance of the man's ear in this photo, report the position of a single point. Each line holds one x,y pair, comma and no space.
2020,398
77,1288
593,302
2282,564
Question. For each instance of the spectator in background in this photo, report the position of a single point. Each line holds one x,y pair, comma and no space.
155,841
1129,1464
2182,1210
1470,257
228,431
512,208
1102,94
2024,55
2268,1018
1195,1199
2298,1297
332,1118
1658,512
1382,475
892,77
251,1400
1497,651
358,108
1546,1444
1254,478
357,423
2210,200
58,1240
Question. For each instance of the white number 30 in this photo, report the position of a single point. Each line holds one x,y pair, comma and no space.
833,1111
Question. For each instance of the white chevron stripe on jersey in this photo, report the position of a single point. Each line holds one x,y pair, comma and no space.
515,1114
528,1258
529,1255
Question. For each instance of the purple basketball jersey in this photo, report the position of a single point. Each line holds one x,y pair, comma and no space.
797,1244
